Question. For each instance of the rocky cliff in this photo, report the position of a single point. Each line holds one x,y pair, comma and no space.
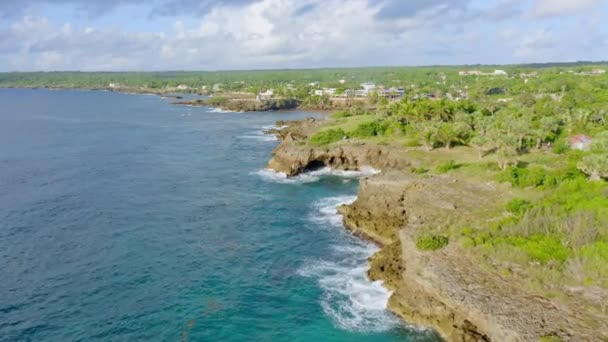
443,289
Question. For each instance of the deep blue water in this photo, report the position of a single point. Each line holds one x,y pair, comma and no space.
123,218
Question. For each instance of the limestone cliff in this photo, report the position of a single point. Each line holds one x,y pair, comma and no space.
444,289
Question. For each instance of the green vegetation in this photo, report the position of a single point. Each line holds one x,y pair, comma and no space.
431,242
327,137
369,129
447,167
518,206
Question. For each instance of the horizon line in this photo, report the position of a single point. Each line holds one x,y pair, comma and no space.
530,64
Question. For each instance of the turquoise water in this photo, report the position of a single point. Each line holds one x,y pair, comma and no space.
123,218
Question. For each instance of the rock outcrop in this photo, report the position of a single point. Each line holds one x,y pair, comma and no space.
444,289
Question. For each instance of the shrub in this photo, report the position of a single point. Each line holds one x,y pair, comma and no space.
412,143
540,247
341,114
537,176
551,338
431,242
560,146
327,137
447,167
369,129
419,170
518,206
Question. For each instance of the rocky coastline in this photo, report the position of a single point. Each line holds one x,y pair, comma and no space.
244,105
444,290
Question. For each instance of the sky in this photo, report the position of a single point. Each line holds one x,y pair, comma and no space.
142,35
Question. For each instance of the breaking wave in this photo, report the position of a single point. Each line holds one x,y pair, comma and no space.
313,176
351,300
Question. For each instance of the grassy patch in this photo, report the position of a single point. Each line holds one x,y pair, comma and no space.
518,206
431,242
369,129
327,137
447,167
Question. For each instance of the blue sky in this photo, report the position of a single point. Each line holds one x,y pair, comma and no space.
113,35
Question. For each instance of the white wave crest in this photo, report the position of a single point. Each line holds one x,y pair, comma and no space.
326,210
313,176
269,127
219,110
351,300
259,136
281,178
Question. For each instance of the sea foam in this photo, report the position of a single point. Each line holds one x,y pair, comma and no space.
349,298
313,176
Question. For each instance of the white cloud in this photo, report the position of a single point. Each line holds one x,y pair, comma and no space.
299,33
547,8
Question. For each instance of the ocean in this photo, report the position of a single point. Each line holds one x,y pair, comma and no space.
126,218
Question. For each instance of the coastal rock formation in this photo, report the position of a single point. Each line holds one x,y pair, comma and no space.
294,156
443,289
244,105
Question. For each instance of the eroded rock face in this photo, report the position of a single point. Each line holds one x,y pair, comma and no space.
294,156
444,289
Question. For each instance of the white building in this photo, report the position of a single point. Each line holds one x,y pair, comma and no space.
368,87
500,72
313,84
342,81
182,87
114,85
267,95
329,91
318,92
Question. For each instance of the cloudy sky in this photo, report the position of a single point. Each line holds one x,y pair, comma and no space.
253,34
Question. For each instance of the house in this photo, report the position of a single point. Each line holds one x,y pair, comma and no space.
318,92
532,74
360,93
114,85
368,87
392,93
218,87
342,81
598,71
182,87
329,91
580,142
500,72
267,95
469,72
313,84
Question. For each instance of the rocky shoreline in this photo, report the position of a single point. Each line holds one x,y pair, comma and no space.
444,289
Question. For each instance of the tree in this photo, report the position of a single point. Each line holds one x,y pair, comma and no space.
480,142
448,133
595,166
